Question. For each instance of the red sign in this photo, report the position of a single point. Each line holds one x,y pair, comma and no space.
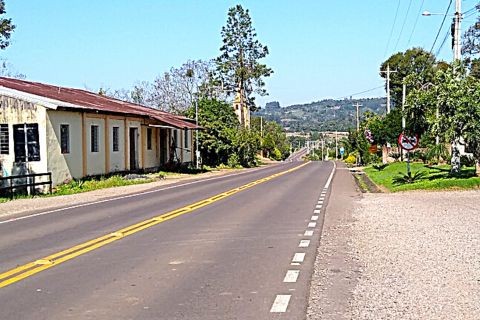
408,143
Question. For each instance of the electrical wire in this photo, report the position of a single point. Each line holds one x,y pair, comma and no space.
393,27
416,21
441,26
403,25
358,93
447,34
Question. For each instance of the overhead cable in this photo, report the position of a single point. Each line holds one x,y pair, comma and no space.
416,21
441,26
393,27
403,25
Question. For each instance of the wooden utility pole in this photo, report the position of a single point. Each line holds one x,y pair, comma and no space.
388,72
357,105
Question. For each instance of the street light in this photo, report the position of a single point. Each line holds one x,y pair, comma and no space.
457,44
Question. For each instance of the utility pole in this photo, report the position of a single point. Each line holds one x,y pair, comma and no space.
357,105
336,144
457,43
388,72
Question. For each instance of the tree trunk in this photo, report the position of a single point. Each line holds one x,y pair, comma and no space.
455,162
384,154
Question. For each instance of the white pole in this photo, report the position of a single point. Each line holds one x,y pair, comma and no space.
336,145
404,97
388,88
457,43
197,153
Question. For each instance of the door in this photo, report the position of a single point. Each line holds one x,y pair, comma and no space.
133,135
163,146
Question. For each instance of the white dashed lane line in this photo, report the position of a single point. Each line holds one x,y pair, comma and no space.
298,257
291,276
281,303
304,243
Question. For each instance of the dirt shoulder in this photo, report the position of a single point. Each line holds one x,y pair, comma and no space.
24,206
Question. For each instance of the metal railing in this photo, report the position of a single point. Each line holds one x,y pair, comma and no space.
30,182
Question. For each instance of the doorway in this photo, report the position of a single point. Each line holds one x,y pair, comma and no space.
133,135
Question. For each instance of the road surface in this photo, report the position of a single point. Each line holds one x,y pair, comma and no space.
237,247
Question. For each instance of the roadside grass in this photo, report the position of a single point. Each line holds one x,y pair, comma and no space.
102,182
430,177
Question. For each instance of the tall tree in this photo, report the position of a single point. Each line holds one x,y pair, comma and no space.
412,61
6,27
471,38
174,90
238,68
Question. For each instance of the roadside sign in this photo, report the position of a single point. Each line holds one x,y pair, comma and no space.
408,143
342,150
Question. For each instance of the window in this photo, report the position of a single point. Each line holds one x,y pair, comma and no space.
149,138
94,138
185,136
115,132
4,139
175,138
65,138
26,144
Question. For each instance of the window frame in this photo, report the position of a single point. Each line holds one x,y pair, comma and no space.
185,138
32,143
94,137
4,138
65,139
115,139
149,138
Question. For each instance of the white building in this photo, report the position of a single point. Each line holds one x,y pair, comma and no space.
74,133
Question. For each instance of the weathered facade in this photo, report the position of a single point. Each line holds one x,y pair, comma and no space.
75,133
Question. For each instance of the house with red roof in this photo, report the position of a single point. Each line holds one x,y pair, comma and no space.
74,133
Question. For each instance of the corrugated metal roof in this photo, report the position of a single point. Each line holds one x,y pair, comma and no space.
78,98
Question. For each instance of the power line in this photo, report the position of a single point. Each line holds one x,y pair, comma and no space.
441,26
416,21
358,93
403,25
393,27
447,34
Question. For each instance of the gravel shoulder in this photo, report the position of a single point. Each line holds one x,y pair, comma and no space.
412,255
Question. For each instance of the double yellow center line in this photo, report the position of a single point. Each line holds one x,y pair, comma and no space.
31,268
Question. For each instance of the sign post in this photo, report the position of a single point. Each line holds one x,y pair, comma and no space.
408,143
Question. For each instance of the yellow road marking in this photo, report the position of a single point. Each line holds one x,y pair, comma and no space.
31,268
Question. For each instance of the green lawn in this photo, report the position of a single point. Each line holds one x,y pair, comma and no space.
433,178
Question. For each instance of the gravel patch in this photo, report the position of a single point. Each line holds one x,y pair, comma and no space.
419,255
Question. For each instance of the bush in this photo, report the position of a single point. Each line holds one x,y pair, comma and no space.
233,161
467,160
351,159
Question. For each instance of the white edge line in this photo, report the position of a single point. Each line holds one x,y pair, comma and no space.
331,176
122,197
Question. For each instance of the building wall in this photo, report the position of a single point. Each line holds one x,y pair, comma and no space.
15,111
152,156
95,160
117,158
64,166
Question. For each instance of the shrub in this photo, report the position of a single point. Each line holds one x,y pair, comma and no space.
351,159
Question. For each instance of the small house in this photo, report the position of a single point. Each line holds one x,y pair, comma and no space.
74,133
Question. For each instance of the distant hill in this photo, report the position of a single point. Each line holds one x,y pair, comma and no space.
325,115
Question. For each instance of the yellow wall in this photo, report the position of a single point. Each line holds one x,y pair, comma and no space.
65,166
117,158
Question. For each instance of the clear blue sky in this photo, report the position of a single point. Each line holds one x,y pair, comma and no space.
318,49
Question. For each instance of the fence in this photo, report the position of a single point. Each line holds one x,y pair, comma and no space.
30,182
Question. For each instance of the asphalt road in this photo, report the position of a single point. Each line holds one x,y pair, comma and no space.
246,255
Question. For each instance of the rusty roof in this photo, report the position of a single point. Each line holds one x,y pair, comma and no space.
94,102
